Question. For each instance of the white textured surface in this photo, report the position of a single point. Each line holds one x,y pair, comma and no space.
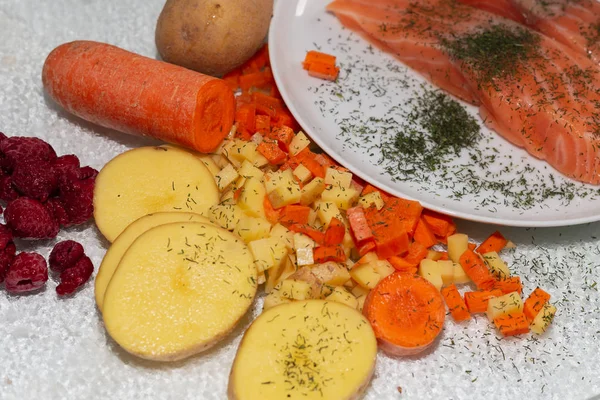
58,349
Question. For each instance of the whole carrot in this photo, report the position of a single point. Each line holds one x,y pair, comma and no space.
130,93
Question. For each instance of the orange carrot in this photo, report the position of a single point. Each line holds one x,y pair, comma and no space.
358,224
262,124
477,302
314,56
284,118
406,312
477,271
266,104
402,265
444,256
271,151
388,231
509,285
325,160
416,253
284,136
512,324
120,90
323,71
271,214
314,167
245,120
232,78
407,211
495,242
253,80
294,214
323,254
335,232
258,61
370,188
534,303
367,247
309,231
455,303
423,234
472,246
439,224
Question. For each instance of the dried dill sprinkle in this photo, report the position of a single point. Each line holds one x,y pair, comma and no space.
592,34
495,52
437,128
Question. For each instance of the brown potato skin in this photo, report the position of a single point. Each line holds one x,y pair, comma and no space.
212,36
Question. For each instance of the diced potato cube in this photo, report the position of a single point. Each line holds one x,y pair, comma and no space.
247,170
268,253
298,143
252,198
510,303
343,198
302,173
331,273
313,218
447,271
274,299
326,211
383,268
208,161
226,177
305,274
283,234
283,195
271,179
295,290
358,291
220,160
335,177
457,245
361,302
542,321
311,191
496,265
228,198
302,241
373,198
365,275
305,257
231,150
251,228
460,276
225,215
434,255
368,257
289,269
431,271
341,295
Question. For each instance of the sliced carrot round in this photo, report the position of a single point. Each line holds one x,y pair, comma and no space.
406,312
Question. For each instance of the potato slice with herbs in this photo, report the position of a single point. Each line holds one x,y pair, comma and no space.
178,290
115,252
312,349
147,180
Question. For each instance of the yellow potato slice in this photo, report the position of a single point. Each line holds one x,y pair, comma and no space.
115,252
313,349
179,289
147,180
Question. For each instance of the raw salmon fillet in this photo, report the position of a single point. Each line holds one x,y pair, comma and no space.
534,91
575,23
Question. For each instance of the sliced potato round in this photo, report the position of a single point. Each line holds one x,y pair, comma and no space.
311,349
179,289
150,179
115,252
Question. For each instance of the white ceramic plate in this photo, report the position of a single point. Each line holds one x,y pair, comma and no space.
352,118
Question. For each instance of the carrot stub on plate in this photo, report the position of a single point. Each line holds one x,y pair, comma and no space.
455,303
321,65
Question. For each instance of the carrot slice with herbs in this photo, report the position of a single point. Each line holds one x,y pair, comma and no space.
314,56
402,265
323,254
262,124
512,324
495,242
406,312
477,302
367,247
416,253
271,213
423,234
455,303
272,152
323,71
509,285
294,214
439,224
358,224
477,271
335,232
309,231
388,231
141,96
534,303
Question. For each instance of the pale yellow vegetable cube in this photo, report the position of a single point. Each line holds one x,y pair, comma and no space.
331,273
460,276
335,177
228,198
252,198
251,228
305,274
358,291
232,150
343,198
305,257
283,234
542,321
373,198
271,180
383,268
341,295
313,218
434,255
220,160
226,177
350,284
510,303
431,271
447,271
247,170
361,302
302,241
289,269
274,299
326,211
268,253
370,256
311,191
208,161
295,290
286,194
298,143
496,265
225,215
302,173
457,245
365,275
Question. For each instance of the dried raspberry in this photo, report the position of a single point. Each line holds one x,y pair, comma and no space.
27,272
76,276
6,237
6,258
35,179
28,218
66,164
7,190
57,210
65,255
2,136
77,198
17,148
87,173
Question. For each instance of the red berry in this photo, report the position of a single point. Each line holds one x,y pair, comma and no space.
7,190
2,136
28,218
6,258
87,173
35,179
27,272
17,148
65,164
65,255
77,198
74,277
57,210
6,237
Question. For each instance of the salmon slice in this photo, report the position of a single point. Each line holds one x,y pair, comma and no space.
531,89
575,23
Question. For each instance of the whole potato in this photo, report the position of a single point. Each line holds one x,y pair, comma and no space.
212,36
